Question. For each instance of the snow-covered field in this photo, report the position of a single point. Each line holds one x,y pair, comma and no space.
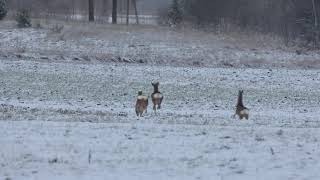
54,115
47,150
67,106
159,45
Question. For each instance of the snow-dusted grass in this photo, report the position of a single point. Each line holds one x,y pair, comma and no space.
49,150
66,112
90,107
106,92
151,45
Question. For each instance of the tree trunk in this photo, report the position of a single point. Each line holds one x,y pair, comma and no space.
91,10
114,11
136,10
315,13
285,24
128,9
316,34
73,10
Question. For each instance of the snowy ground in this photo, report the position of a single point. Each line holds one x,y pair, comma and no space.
54,113
47,150
67,105
150,45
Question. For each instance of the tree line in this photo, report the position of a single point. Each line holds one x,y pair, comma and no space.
91,8
292,19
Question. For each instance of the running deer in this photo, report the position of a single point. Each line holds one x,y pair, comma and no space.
141,104
241,110
156,96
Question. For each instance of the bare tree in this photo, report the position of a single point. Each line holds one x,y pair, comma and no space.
114,11
135,10
73,8
128,9
91,10
315,13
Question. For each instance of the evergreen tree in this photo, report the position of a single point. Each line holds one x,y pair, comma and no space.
3,9
23,19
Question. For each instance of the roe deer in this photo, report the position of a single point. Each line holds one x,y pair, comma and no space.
141,104
241,110
156,96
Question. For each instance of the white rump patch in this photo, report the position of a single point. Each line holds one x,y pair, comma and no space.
157,96
244,112
142,98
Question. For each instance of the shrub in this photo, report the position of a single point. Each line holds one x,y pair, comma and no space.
3,9
175,14
23,19
57,28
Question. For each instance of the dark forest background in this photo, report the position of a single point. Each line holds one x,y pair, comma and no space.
290,19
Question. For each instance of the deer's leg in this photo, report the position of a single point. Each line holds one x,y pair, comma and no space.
155,109
234,116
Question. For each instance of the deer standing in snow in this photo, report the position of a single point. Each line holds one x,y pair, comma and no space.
241,110
156,96
141,104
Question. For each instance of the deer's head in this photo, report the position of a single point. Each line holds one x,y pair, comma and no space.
155,85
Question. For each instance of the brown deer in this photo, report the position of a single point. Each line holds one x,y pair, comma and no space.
156,97
241,110
141,104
